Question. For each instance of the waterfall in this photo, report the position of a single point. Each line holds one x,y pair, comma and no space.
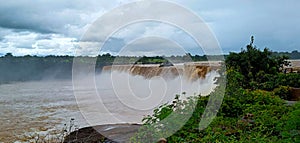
190,71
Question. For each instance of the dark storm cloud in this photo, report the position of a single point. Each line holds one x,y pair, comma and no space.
37,16
45,16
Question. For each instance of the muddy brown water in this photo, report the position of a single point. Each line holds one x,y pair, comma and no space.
44,106
27,107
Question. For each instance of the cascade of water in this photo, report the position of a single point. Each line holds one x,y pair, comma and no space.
191,71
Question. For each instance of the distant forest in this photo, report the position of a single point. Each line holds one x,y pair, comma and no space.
25,68
293,55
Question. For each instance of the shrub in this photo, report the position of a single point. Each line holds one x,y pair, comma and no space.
232,123
284,92
291,79
289,127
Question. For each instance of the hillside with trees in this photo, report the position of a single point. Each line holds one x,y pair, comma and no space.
292,55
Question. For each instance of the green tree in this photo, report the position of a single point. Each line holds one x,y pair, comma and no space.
8,55
253,63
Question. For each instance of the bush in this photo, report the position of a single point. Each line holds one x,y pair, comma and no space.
291,79
289,127
154,127
284,92
247,116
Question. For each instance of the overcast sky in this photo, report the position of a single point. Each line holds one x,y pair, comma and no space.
53,27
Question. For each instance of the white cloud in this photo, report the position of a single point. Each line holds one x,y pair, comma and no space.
20,40
23,43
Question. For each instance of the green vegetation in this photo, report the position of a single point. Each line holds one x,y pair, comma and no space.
253,109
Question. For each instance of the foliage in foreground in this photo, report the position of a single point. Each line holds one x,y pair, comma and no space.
247,116
253,109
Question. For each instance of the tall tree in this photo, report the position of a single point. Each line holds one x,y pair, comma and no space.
252,62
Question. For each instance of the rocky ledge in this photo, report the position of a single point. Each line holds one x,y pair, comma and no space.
114,133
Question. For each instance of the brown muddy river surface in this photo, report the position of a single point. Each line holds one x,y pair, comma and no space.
41,106
35,106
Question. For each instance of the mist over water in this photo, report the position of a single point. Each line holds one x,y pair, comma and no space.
124,98
120,97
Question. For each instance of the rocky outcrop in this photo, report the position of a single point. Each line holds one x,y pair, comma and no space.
114,133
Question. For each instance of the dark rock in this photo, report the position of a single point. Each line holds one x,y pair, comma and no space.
114,133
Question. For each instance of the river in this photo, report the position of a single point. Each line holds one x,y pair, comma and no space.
35,106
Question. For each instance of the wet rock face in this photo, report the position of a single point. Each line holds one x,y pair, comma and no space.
191,71
115,133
